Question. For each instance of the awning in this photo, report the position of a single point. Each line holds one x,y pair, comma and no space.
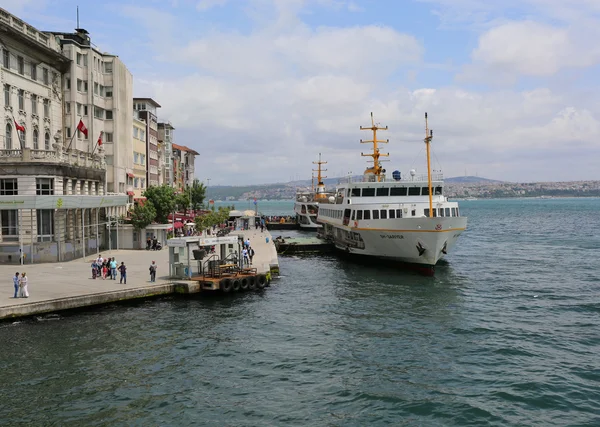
130,175
130,193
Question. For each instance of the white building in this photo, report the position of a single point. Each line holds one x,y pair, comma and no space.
98,90
51,201
166,137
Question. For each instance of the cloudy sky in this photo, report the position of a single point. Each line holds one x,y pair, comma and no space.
260,87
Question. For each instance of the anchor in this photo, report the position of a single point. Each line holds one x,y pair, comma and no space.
445,249
420,248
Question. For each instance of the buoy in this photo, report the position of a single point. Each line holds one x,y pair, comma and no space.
226,285
261,281
244,283
235,285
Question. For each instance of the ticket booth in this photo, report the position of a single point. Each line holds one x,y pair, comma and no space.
188,256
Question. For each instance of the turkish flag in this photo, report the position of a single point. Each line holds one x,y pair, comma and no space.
100,139
81,128
19,127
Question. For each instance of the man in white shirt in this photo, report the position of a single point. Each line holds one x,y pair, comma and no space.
245,256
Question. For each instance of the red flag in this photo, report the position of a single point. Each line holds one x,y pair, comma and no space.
81,128
19,127
100,139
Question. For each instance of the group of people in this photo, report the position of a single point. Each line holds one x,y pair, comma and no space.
20,282
153,244
247,253
108,268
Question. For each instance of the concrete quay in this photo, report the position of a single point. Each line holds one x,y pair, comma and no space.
62,286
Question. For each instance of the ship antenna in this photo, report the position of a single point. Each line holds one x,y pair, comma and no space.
376,169
428,138
320,185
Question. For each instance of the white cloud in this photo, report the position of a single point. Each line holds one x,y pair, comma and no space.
209,4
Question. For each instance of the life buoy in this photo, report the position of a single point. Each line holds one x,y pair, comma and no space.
226,285
251,282
355,224
261,281
244,283
235,285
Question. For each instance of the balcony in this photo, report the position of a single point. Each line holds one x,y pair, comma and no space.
72,158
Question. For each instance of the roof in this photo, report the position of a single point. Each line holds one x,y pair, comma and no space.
184,148
149,100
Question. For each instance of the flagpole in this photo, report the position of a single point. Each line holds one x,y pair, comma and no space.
96,146
17,129
74,133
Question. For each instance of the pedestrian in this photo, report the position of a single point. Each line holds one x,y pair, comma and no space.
148,243
104,269
23,285
245,256
16,283
247,243
94,269
262,225
123,271
113,269
250,254
153,268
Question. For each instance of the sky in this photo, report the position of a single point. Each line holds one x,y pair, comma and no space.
260,87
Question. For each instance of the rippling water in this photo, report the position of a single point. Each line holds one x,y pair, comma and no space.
508,333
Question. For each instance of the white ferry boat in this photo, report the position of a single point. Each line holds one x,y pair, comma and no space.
306,205
406,220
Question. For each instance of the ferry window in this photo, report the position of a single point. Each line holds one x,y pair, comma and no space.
349,193
383,192
368,192
457,212
414,212
453,211
398,213
367,215
353,215
414,191
375,214
426,212
346,213
447,211
392,213
398,191
438,191
434,212
358,215
425,191
355,192
441,211
383,214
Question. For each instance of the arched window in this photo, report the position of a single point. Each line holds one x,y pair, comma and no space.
47,141
8,137
36,144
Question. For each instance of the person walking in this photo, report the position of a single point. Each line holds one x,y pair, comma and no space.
123,271
94,269
113,269
153,268
16,284
250,254
23,285
245,256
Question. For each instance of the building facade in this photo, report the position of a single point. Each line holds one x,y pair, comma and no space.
166,135
52,201
183,166
146,109
140,161
98,91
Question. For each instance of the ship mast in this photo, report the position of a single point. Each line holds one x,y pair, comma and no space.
320,194
428,138
312,182
376,169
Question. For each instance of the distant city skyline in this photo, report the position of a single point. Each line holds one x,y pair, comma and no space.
260,87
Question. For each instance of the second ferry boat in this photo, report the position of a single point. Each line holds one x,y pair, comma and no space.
306,205
405,220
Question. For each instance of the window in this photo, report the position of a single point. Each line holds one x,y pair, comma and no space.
78,109
68,132
21,98
359,215
9,187
45,225
375,214
109,161
98,113
20,65
398,191
414,191
447,211
45,76
135,132
8,137
356,192
34,101
68,107
142,159
85,110
368,192
108,67
101,90
109,136
10,225
6,95
136,157
46,141
6,58
78,58
437,191
47,108
85,60
68,82
398,213
426,212
414,212
136,183
44,186
96,88
36,143
383,214
109,91
392,214
85,86
143,183
79,85
367,215
425,191
109,115
34,71
383,192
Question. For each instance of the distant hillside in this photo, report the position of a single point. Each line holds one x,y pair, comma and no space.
470,180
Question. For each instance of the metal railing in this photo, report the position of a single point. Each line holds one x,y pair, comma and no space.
72,158
437,176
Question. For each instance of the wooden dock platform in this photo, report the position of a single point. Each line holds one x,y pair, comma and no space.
297,245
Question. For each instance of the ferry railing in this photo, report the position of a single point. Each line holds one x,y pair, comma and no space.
438,176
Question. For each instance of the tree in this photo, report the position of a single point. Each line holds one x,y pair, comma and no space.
183,202
198,194
142,215
214,217
163,200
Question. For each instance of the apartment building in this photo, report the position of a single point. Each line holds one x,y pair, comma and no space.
166,136
52,197
183,166
140,161
98,91
146,109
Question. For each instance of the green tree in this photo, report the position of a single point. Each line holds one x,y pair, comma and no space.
163,200
142,216
214,217
198,194
182,201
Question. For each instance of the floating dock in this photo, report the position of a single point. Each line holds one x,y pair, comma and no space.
301,245
282,226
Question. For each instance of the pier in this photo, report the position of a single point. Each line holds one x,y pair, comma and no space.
55,287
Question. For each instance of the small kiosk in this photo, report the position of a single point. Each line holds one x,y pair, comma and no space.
189,256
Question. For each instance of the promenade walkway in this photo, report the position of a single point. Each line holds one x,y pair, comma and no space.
60,286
